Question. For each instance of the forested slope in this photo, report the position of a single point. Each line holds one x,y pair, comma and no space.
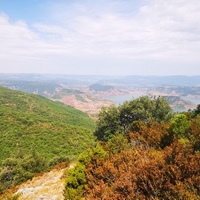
36,133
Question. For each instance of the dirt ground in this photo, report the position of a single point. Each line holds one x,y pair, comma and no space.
48,186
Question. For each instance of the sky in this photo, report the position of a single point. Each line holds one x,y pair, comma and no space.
100,37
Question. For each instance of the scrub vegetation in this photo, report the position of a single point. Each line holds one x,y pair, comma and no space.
37,133
144,152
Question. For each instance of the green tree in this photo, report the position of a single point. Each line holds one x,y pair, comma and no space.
179,125
119,119
144,108
108,123
197,110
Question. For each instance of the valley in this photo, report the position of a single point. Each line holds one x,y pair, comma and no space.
90,93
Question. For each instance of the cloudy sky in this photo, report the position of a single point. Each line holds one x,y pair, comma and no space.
104,37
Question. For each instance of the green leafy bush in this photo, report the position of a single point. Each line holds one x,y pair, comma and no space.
74,186
21,168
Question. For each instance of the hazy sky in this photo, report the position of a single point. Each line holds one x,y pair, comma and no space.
106,37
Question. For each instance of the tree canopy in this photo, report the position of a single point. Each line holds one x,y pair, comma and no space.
120,119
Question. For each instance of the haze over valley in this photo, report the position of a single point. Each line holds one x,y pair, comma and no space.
90,93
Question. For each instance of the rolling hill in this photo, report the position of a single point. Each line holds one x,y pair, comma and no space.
51,128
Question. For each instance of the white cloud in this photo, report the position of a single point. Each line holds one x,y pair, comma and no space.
160,28
107,34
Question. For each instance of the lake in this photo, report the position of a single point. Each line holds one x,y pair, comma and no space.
120,99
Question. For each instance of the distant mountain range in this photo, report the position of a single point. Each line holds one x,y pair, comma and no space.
89,93
159,80
90,79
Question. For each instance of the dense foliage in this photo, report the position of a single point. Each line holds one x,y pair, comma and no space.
74,187
20,168
56,133
173,173
156,158
119,119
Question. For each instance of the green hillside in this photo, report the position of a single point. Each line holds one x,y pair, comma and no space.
34,122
